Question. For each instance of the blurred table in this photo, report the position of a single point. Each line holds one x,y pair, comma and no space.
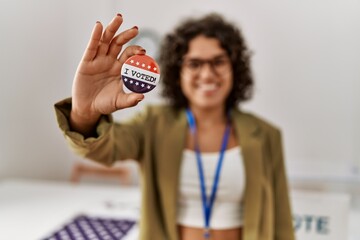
32,209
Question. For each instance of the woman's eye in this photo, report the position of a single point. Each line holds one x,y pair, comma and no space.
194,64
219,62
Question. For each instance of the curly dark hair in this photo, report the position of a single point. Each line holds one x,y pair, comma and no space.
175,45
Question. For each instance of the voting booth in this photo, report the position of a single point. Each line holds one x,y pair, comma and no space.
320,216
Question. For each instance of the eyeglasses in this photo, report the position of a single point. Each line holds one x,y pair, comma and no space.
192,67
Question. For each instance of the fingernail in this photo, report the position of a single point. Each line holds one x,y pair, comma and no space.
143,50
136,27
97,21
119,15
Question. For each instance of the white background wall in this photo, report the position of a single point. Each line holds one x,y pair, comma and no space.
306,66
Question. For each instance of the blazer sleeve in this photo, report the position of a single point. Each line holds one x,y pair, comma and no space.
283,218
114,141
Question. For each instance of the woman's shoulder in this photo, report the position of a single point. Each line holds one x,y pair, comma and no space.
159,108
258,120
162,111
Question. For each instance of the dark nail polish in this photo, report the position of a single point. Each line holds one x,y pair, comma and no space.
136,27
119,15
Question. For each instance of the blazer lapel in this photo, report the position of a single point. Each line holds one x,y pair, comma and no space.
251,147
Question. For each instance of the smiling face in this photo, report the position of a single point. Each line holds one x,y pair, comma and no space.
206,74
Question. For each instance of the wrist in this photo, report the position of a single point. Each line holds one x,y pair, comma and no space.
84,123
84,117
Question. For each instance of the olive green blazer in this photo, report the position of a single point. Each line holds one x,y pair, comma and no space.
156,139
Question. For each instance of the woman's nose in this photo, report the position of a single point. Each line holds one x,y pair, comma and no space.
207,70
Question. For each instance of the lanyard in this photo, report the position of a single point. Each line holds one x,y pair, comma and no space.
207,202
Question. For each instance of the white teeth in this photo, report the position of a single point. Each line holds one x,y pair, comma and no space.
207,87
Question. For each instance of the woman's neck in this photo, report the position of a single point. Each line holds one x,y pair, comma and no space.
208,117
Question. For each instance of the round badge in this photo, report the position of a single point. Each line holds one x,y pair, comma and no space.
140,73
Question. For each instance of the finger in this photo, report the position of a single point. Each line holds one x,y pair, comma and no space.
118,42
128,100
92,47
131,51
109,33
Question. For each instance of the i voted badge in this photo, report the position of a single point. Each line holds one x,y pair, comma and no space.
140,73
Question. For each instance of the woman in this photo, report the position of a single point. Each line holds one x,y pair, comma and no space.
190,189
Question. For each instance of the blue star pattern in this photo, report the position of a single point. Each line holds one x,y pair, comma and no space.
92,228
136,85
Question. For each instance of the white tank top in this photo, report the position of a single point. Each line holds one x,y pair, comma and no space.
227,210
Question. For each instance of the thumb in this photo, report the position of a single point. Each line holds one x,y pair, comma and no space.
128,100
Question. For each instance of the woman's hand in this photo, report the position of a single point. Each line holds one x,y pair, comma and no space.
97,86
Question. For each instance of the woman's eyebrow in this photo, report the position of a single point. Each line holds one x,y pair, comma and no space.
200,59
